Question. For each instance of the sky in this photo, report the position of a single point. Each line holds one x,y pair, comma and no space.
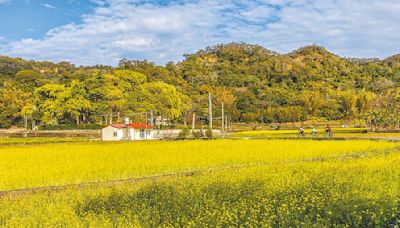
104,31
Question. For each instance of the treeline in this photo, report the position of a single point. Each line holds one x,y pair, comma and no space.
255,84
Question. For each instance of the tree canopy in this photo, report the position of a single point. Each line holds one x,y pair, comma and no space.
254,83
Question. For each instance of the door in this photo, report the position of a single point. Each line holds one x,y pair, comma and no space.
142,133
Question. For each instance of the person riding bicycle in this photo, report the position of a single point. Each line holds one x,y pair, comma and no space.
314,132
328,131
301,131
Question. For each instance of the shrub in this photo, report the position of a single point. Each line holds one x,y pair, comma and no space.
183,133
196,134
71,127
209,133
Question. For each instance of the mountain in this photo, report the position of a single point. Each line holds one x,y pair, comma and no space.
254,83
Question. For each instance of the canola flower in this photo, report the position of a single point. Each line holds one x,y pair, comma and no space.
337,192
63,164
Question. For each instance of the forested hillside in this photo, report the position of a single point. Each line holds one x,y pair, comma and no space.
254,83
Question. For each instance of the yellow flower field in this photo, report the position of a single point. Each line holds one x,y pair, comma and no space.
261,183
60,164
344,133
335,192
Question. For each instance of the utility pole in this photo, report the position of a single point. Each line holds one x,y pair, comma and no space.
185,119
193,121
226,123
33,125
25,122
151,118
222,120
209,111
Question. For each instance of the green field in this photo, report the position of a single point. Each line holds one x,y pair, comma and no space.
16,141
231,183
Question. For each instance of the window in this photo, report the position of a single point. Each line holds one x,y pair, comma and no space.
142,133
115,134
148,132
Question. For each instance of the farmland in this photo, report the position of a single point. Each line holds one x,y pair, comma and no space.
18,141
339,133
231,182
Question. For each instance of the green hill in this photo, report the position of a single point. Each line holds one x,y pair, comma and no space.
254,83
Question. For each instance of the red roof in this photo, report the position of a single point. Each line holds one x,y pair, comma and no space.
133,125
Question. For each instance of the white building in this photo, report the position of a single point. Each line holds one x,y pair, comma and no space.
135,131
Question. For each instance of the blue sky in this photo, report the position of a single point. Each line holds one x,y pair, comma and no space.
104,31
33,18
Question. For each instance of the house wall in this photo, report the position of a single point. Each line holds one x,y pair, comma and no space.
107,134
134,134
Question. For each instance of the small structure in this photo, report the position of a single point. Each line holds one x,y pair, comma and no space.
134,131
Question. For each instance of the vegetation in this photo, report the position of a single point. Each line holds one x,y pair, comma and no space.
339,132
60,164
14,141
262,183
254,83
184,133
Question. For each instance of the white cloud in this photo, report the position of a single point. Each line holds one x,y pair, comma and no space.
4,1
49,6
141,29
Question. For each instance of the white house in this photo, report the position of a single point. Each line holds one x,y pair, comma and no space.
135,131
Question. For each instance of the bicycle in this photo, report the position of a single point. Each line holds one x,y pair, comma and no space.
302,134
328,134
314,135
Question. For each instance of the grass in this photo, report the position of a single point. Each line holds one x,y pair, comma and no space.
63,164
13,141
335,192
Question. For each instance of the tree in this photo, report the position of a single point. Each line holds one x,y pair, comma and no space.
14,104
365,101
348,101
74,101
162,98
58,102
312,102
128,79
28,80
49,101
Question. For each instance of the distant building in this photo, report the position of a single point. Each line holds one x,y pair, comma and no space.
134,131
163,121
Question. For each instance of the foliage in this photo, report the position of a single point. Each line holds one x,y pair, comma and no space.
183,133
196,134
255,84
209,133
71,127
160,97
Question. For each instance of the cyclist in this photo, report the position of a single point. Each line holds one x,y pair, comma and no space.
328,131
301,132
314,133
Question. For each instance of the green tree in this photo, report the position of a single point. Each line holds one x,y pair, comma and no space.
162,98
49,101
